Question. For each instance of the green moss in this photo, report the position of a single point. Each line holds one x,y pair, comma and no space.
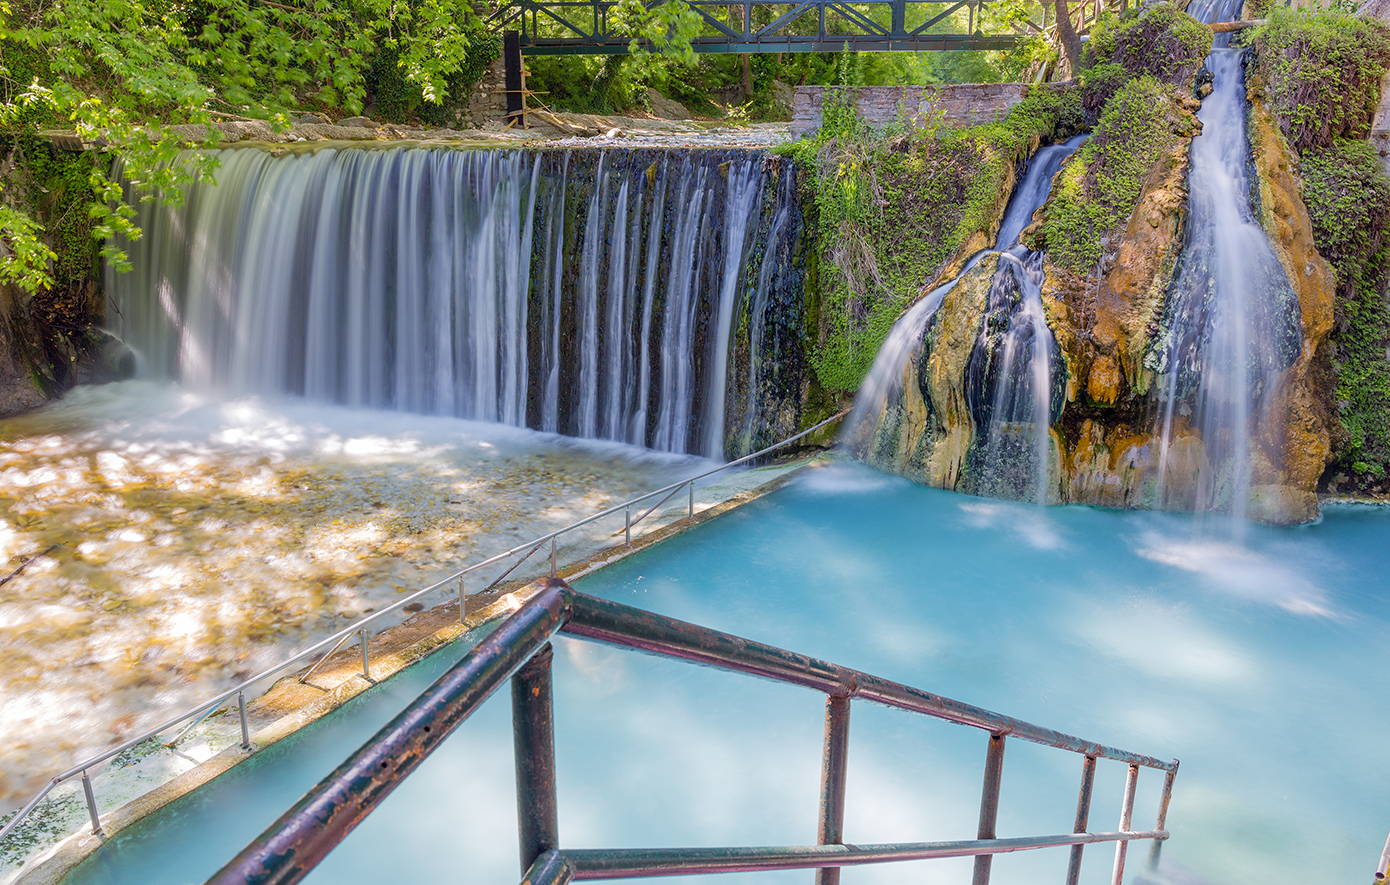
1322,73
892,206
1160,42
1100,185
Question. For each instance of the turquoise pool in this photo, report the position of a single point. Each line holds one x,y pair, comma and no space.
1261,666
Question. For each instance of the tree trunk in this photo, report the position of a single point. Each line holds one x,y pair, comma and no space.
1070,42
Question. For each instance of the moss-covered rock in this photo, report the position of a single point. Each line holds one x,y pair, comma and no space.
50,338
1097,190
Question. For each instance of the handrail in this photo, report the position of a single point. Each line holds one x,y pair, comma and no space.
519,650
1384,862
341,636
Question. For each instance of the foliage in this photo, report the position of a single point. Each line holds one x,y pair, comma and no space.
122,73
1098,188
1159,42
1348,197
398,100
893,205
1322,73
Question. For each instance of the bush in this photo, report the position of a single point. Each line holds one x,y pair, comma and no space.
1160,42
1322,74
1348,198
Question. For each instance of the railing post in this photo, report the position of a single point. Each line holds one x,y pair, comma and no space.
245,731
1083,816
366,660
1384,862
552,556
692,499
989,805
1126,819
462,611
831,830
533,731
1162,822
627,530
92,805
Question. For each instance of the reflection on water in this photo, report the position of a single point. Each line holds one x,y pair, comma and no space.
177,543
1268,705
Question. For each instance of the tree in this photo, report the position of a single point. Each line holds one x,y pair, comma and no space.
124,72
1069,65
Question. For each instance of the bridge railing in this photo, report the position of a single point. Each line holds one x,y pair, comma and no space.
363,628
590,26
519,650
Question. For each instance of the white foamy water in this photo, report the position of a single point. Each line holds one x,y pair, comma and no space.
177,543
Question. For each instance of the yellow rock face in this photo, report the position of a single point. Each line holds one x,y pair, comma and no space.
1299,439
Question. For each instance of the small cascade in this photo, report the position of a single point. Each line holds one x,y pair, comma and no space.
1009,384
589,293
1231,322
1010,389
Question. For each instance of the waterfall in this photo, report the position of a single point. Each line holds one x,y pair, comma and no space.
1231,322
1009,385
593,293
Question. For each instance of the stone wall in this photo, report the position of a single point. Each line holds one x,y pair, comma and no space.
964,103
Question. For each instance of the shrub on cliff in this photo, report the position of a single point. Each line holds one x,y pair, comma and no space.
1348,197
1159,42
1098,188
1322,73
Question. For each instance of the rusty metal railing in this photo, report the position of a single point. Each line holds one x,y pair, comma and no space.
519,649
359,629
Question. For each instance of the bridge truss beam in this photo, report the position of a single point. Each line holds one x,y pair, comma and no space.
585,27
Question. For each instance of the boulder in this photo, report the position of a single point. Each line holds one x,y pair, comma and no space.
666,108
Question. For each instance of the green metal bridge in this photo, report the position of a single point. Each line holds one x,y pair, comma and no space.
590,27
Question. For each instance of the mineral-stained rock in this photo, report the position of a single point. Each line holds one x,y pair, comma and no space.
1297,445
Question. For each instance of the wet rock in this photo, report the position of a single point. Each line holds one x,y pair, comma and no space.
1298,444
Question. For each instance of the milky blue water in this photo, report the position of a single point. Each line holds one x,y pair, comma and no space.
1262,667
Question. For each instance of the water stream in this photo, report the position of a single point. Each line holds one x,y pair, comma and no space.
1231,322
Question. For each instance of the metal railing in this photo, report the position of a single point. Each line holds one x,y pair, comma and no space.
519,649
360,627
1384,862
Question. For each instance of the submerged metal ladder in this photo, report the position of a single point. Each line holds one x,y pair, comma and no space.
519,649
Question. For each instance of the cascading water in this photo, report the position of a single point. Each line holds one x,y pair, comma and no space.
590,293
1010,391
1009,384
1231,323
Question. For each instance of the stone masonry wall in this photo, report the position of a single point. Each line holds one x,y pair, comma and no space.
964,103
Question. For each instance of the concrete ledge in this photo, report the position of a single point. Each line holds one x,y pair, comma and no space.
961,104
